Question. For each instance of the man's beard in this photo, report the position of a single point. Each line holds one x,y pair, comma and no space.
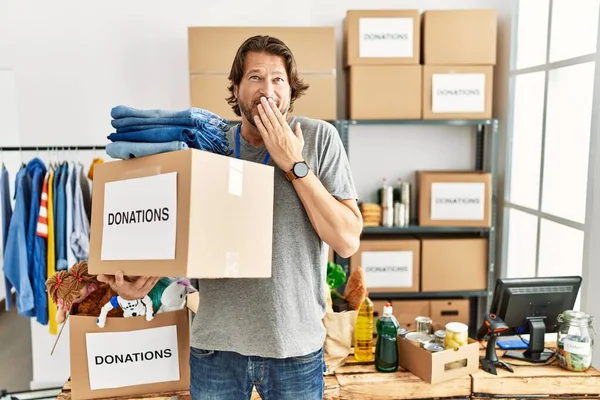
250,112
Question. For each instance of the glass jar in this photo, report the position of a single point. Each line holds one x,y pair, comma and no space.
457,335
575,343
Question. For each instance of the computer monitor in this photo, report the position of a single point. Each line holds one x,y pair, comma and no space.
532,305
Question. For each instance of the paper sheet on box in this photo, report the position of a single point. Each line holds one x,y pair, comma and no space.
118,359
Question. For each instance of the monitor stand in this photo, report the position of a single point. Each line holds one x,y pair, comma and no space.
536,352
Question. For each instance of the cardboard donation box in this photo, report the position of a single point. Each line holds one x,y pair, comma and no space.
188,213
389,265
457,92
454,198
459,37
129,356
441,366
382,37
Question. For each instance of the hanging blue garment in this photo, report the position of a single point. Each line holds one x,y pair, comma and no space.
16,263
6,210
36,245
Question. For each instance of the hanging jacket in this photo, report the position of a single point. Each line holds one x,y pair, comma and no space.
60,217
36,246
6,210
79,242
70,196
16,263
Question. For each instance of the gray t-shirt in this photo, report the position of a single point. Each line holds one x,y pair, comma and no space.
281,316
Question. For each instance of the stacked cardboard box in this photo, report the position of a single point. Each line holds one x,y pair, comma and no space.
213,49
382,59
459,54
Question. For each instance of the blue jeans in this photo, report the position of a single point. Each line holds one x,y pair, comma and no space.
222,375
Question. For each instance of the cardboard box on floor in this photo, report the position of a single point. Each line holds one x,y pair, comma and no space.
129,356
440,366
454,198
188,213
212,51
389,265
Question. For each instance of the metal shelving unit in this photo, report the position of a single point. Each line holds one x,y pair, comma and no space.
486,159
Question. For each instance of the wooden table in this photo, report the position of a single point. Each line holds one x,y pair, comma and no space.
360,381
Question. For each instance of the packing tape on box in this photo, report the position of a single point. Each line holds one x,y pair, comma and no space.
236,177
232,264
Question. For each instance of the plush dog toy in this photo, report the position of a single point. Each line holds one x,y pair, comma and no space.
131,308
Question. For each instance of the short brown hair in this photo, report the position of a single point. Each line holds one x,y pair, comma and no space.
270,45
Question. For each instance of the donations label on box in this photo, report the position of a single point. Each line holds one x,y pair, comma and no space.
458,201
385,37
387,268
140,218
119,359
458,93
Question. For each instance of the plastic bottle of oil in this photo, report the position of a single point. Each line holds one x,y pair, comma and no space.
363,332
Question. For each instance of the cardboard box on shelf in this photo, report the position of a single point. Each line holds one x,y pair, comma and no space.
440,366
161,215
212,51
129,356
459,37
457,92
405,311
454,198
450,264
382,37
389,265
384,92
445,311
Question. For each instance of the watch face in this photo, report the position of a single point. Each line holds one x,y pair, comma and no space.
301,170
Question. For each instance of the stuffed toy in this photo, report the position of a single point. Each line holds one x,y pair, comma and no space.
75,291
175,295
131,308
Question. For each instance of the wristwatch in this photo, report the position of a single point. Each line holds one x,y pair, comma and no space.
299,170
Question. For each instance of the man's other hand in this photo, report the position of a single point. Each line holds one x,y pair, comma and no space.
129,287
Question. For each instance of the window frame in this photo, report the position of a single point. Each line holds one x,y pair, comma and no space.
590,298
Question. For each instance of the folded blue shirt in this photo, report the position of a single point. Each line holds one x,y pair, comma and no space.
127,150
209,139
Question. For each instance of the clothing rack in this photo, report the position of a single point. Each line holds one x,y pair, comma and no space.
50,148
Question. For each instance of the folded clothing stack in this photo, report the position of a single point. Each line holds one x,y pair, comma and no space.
146,132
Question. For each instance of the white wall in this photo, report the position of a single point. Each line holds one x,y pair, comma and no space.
72,61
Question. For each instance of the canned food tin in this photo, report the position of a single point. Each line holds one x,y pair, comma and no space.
440,335
418,337
433,347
